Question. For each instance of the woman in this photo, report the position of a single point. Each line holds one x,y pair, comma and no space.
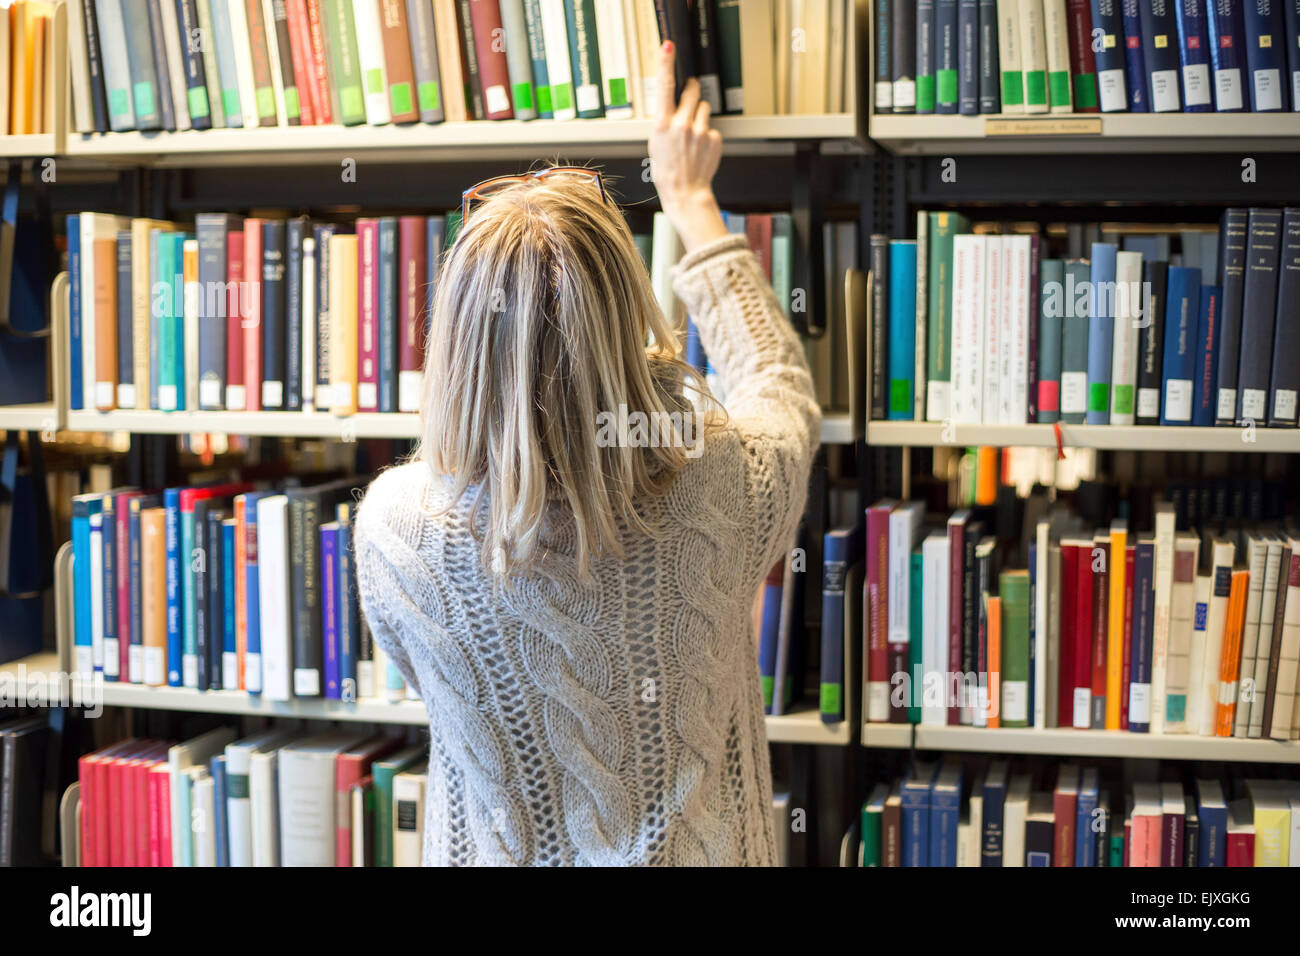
572,601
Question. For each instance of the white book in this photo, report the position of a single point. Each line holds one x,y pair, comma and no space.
964,839
1042,596
1010,64
1165,518
665,253
309,799
245,82
1015,814
1056,32
277,77
93,225
647,32
370,56
1124,355
1256,559
1184,598
934,630
969,259
1017,255
98,657
636,65
1273,590
203,808
809,64
273,597
559,69
615,72
83,115
408,815
993,329
904,531
263,804
1288,661
976,806
1222,554
1294,855
239,805
180,758
1196,692
1033,55
309,330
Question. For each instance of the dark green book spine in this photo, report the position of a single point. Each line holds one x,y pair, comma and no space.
584,55
1013,586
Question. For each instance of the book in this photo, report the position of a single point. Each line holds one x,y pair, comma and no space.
1225,31
1259,298
1284,381
1108,50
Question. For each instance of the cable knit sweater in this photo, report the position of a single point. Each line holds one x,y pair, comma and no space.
619,721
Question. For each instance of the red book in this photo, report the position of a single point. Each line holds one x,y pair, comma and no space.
252,314
160,815
956,572
413,258
85,776
235,320
1130,561
368,315
1078,18
319,71
1065,799
877,605
1082,690
139,782
300,52
1128,839
1100,621
758,230
1241,833
122,566
493,71
92,773
1069,581
349,767
258,31
120,829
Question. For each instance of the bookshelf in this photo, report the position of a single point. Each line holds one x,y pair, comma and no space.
1102,437
47,417
56,101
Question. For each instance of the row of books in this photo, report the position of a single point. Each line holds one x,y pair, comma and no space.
950,813
1085,56
353,62
1164,632
31,31
225,587
987,328
277,798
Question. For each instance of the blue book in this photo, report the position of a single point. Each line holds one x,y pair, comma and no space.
386,337
329,609
995,800
1135,70
1291,22
229,643
1284,384
349,617
1085,840
925,56
1265,61
770,633
1139,688
945,811
1194,55
108,540
946,45
968,57
841,582
1208,331
902,327
1258,312
1182,319
1160,54
537,54
1101,331
915,794
76,384
252,595
189,654
1227,39
97,586
1112,90
435,242
175,591
1212,839
220,792
83,506
224,41
916,610
196,83
695,356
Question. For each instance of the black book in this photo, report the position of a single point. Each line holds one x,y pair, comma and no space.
469,59
139,55
674,19
1151,337
211,230
98,95
196,81
903,55
309,508
882,96
298,230
125,351
273,365
1040,828
1191,829
23,753
277,32
970,608
707,65
1285,380
217,585
990,90
1232,279
1258,308
1101,830
320,390
968,57
165,104
205,561
879,330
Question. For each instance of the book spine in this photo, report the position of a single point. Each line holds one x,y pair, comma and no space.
321,393
1155,279
878,613
211,231
125,348
211,71
1182,314
329,538
1227,58
229,105
252,670
883,76
1143,618
705,48
879,332
296,230
308,650
1083,64
1124,357
235,299
945,56
95,65
1050,311
537,54
490,52
301,55
1194,55
1232,279
990,75
469,61
278,34
902,321
1284,383
1056,29
115,643
1160,54
1265,40
925,49
1134,64
555,36
943,226
165,104
197,610
376,67
368,315
968,60
1033,55
612,37
903,54
1207,340
422,53
1010,56
580,20
386,318
140,64
345,69
273,318
1259,302
412,265
1101,332
196,82
1108,50
252,313
323,90
835,568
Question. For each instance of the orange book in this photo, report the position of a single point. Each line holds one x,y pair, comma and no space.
38,32
1230,664
241,587
20,69
153,593
986,476
343,324
994,616
105,291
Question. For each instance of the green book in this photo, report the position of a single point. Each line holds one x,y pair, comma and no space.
383,772
916,600
584,58
166,312
942,227
783,258
873,812
733,83
345,65
1013,587
453,224
1085,93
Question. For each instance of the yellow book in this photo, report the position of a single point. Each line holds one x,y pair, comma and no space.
1115,624
343,324
38,31
1271,807
20,69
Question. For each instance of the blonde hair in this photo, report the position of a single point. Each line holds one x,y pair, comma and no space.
539,324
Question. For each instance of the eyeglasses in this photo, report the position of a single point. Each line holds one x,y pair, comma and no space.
496,184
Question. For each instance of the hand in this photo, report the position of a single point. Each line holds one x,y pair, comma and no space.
684,155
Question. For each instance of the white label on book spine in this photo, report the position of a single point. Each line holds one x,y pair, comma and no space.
1227,89
155,666
710,91
938,400
253,672
884,95
112,662
735,98
1254,403
1227,403
1074,392
1295,87
367,395
1113,95
83,663
189,670
904,94
1139,703
1268,90
878,701
229,670
1148,405
126,396
587,97
135,663
496,98
1178,399
272,394
344,395
306,682
167,398
1164,91
235,398
366,680
209,393
104,394
1196,84
408,390
1015,700
1284,404
1082,706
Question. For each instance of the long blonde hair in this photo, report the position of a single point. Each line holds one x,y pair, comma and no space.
540,323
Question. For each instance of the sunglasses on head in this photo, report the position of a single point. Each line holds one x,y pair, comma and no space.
489,187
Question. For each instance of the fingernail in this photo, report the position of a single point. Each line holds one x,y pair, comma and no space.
668,46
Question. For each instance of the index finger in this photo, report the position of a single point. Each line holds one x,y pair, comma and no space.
667,82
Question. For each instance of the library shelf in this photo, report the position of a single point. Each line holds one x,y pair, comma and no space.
935,135
1067,742
31,145
42,417
595,138
887,736
806,727
1105,437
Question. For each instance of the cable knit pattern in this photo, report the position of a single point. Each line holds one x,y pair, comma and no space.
617,721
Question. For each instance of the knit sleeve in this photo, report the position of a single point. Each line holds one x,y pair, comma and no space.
765,379
377,591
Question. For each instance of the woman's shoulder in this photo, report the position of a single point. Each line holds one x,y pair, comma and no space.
394,502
